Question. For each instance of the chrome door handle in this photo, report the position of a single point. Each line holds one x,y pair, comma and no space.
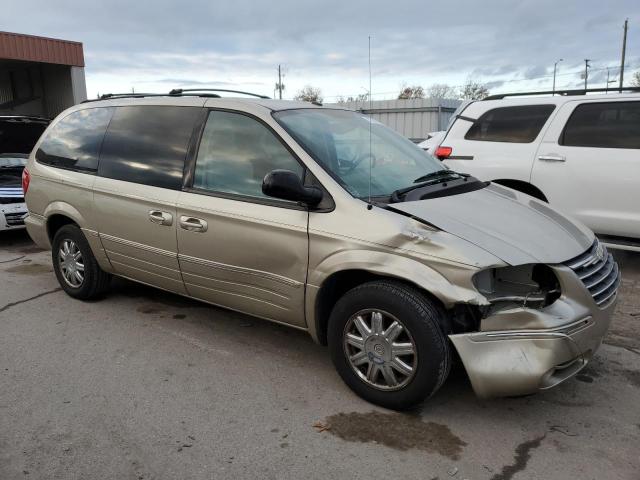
193,224
552,158
160,217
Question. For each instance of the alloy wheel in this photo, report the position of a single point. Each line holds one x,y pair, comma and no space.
71,263
380,349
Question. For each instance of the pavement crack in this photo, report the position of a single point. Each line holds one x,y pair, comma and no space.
13,304
523,454
12,260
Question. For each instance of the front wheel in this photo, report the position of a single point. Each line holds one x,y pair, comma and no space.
387,344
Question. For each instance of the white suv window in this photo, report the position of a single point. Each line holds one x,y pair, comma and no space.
520,124
236,152
604,125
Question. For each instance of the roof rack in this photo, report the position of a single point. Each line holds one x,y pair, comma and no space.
181,91
582,91
176,92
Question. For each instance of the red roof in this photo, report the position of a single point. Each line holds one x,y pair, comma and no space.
17,46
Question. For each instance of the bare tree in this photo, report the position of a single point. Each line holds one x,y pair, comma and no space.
635,79
473,90
309,94
441,90
361,98
415,91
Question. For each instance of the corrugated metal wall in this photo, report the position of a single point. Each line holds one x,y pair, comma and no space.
16,46
412,118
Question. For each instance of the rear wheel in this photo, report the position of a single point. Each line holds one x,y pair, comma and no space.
75,266
387,344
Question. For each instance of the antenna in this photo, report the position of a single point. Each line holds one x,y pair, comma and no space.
370,205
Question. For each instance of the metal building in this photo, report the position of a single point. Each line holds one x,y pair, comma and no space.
412,118
40,76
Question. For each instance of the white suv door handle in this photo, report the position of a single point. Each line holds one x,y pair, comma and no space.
552,158
193,224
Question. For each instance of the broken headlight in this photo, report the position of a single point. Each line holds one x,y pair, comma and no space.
527,286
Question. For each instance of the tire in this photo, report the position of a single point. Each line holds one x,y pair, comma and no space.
94,281
423,321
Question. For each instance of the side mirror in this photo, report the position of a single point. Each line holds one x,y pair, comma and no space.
286,185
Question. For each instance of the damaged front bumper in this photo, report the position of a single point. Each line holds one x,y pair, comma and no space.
541,348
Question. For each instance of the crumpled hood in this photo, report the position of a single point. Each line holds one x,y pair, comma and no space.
513,226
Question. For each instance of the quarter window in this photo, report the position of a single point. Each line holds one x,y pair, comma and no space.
510,124
74,142
148,144
604,125
236,152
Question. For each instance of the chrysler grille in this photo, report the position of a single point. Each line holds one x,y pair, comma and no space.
599,272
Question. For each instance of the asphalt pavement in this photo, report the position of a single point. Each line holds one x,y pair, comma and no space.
147,385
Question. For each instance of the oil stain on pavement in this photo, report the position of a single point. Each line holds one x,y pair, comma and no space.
30,269
396,430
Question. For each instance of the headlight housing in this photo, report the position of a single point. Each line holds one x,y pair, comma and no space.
526,286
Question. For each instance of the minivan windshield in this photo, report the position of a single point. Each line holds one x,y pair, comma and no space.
339,141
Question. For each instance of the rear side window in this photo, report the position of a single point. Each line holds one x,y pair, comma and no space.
74,142
604,125
510,124
148,144
236,152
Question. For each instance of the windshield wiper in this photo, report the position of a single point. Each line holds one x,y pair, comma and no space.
436,174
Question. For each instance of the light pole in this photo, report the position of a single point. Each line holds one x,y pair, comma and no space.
555,68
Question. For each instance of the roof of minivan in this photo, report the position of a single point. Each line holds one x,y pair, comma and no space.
191,100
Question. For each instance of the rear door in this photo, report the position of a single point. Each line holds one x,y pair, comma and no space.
588,165
139,178
498,143
238,248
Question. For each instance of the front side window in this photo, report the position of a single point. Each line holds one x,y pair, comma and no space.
510,124
355,149
604,125
148,144
74,142
236,152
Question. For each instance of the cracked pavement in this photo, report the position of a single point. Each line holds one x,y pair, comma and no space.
144,384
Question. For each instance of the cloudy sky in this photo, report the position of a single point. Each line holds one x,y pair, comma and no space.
510,45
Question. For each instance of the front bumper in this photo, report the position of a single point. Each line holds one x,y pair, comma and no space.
541,348
12,216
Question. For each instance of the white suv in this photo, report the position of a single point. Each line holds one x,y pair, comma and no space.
580,153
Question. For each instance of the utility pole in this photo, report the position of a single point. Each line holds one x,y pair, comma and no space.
624,51
586,71
279,85
555,67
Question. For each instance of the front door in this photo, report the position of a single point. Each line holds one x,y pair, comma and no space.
135,193
588,165
237,247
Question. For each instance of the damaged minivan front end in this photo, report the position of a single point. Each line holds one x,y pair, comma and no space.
543,316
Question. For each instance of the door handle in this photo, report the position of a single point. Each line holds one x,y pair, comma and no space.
160,217
193,224
552,158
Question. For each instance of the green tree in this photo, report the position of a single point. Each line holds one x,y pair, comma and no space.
473,90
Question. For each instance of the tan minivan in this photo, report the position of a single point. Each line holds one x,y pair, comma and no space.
326,221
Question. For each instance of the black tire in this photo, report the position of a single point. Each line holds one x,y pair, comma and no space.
424,320
95,281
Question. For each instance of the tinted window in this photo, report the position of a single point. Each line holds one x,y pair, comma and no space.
608,125
74,142
235,154
510,124
148,144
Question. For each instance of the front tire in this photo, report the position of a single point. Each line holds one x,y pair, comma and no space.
387,343
76,268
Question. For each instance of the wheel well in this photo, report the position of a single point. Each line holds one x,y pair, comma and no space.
57,221
524,187
340,283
